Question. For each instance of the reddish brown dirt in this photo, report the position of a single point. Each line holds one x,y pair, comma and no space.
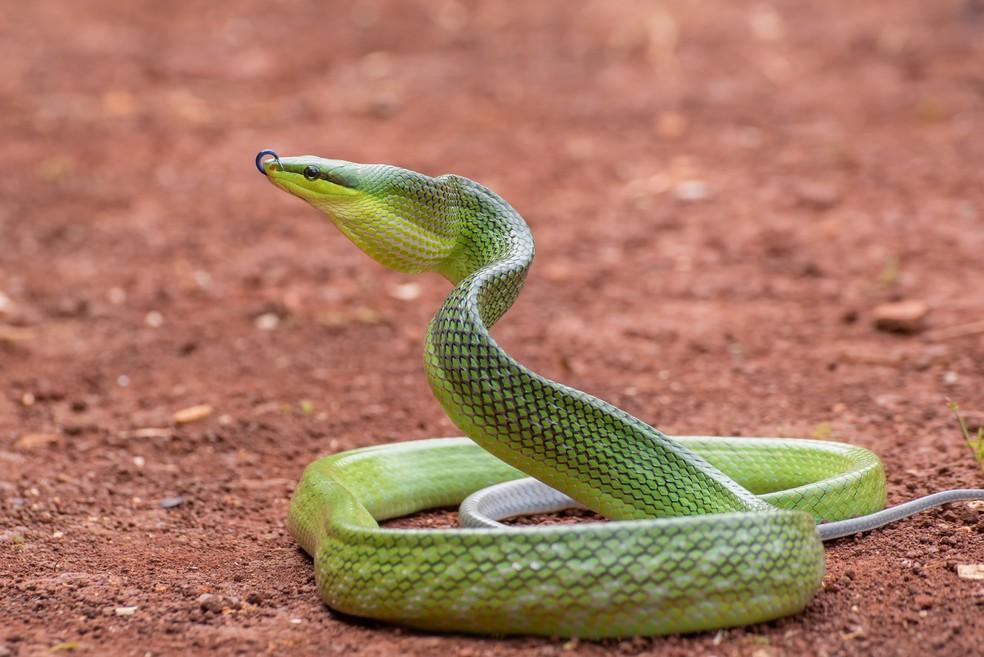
837,149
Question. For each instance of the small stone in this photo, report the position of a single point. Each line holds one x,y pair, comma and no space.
69,307
890,401
14,335
692,190
970,570
192,414
125,611
65,646
969,514
35,440
923,601
854,633
154,319
171,502
901,317
147,432
202,279
267,321
406,292
766,23
671,125
210,602
818,196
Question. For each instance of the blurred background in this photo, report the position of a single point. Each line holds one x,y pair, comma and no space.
751,218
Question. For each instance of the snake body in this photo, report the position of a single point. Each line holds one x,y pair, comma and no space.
705,532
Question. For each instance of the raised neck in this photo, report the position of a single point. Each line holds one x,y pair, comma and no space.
491,232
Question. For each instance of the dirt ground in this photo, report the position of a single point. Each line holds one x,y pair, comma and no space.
722,194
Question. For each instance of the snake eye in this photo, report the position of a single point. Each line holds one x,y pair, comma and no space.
312,172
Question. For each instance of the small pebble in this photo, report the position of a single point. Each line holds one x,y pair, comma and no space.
35,440
210,602
969,515
125,611
901,317
154,319
148,432
671,125
692,190
267,321
970,570
766,23
818,195
406,292
171,502
192,414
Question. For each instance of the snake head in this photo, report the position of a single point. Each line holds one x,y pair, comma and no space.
398,217
318,181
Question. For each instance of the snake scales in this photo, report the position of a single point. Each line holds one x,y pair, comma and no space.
704,533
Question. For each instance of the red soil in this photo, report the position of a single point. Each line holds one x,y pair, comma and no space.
721,194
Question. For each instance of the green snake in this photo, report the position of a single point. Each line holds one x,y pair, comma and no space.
704,532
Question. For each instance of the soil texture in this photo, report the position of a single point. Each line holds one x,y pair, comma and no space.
724,196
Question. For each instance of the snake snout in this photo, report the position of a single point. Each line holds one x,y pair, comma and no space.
264,153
